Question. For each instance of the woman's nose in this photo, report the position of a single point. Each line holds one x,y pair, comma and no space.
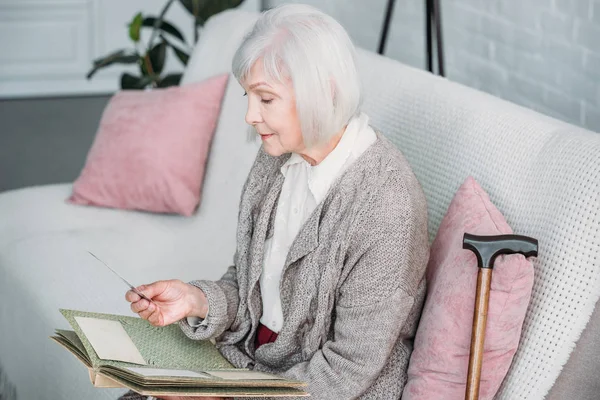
253,116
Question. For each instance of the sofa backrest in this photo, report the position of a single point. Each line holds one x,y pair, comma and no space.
543,175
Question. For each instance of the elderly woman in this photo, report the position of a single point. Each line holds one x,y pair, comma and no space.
328,278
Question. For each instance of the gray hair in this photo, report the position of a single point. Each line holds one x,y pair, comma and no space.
316,53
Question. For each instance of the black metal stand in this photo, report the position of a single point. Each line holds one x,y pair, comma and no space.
386,26
433,21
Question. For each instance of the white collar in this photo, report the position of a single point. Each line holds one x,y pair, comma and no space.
321,176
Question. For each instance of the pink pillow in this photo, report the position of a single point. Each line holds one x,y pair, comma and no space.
151,148
438,365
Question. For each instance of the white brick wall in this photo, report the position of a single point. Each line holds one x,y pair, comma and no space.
543,54
546,53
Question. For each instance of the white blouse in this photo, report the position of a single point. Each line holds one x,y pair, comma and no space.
303,189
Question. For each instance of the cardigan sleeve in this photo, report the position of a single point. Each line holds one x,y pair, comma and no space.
223,299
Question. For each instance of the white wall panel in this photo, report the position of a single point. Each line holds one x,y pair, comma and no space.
47,46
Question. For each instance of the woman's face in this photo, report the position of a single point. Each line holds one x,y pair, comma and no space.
272,112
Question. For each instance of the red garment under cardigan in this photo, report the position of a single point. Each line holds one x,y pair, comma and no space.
264,335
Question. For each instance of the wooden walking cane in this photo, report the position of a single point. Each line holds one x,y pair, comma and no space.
487,248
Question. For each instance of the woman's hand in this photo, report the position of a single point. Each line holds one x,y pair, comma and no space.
171,301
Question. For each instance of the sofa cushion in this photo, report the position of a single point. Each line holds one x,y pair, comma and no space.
43,243
151,148
439,363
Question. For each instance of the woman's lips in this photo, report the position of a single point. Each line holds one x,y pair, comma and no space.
265,137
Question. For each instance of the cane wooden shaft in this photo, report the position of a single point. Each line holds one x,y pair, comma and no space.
484,280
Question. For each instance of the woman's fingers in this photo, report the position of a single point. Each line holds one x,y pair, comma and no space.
167,305
140,305
156,318
147,311
131,296
150,290
153,289
152,314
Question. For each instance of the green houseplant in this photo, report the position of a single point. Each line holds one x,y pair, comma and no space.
164,37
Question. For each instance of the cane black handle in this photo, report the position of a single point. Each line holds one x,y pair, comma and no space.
487,248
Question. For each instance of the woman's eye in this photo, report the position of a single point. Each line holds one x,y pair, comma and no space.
266,101
245,93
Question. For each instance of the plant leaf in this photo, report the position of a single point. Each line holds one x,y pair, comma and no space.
170,80
213,7
134,27
157,57
204,9
144,67
129,81
118,57
182,55
192,5
102,60
163,26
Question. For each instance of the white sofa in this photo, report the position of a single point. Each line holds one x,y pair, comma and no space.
544,175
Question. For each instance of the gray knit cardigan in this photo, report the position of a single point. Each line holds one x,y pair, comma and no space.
352,286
